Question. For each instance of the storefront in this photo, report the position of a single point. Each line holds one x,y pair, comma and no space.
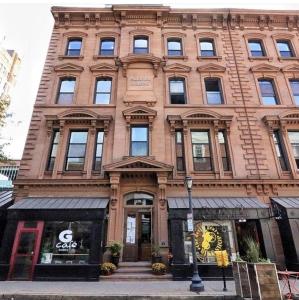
219,224
54,239
5,202
286,212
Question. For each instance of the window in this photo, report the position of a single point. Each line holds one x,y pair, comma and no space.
284,48
140,44
138,199
177,90
139,141
280,150
103,90
256,48
66,91
207,47
268,91
179,149
98,151
53,150
222,139
174,47
66,242
74,47
294,140
213,90
107,46
201,151
295,89
76,151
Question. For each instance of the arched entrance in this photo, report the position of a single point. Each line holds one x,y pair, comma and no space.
138,231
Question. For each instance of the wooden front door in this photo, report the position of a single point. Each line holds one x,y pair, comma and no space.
137,235
25,250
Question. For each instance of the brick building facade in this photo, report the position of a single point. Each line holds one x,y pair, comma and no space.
134,98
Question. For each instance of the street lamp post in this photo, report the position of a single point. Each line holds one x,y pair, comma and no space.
196,283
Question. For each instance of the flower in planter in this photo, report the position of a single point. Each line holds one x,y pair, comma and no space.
115,248
159,268
107,268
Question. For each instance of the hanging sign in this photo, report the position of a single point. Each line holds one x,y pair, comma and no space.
190,223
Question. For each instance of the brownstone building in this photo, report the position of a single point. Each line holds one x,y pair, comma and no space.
134,98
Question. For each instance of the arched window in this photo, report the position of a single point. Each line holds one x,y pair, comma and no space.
139,199
174,47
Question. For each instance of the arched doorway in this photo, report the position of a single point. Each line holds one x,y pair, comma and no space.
138,226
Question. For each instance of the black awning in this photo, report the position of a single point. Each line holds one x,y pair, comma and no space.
5,199
287,202
57,203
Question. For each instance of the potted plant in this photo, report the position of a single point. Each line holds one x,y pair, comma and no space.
107,268
115,249
255,277
156,254
159,269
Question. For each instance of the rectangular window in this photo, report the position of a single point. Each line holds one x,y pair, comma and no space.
174,47
66,91
141,45
74,47
213,90
139,141
98,151
103,91
280,150
268,91
222,139
66,242
179,149
107,46
177,91
207,47
201,151
76,151
284,48
53,150
294,140
295,89
256,48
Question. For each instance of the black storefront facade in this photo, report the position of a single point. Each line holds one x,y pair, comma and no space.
219,224
54,239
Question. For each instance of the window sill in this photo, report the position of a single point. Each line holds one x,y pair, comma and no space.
209,58
296,58
253,58
182,57
143,156
72,173
79,57
48,173
95,57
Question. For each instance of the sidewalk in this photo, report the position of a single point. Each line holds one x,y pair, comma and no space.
16,290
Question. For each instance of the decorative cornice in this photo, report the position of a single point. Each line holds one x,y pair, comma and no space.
264,68
211,68
288,118
180,68
104,67
68,67
75,34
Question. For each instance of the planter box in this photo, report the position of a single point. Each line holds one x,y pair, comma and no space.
256,281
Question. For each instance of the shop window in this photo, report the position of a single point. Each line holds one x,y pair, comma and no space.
295,90
98,151
139,141
174,47
209,237
294,140
107,46
177,90
285,48
179,149
74,47
213,91
280,150
140,45
207,47
66,243
76,151
53,150
103,90
268,92
256,48
201,151
222,139
66,90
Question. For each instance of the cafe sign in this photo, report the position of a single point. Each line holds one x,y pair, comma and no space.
66,241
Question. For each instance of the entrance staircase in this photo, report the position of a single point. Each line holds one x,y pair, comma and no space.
135,271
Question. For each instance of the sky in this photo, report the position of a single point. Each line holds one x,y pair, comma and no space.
26,26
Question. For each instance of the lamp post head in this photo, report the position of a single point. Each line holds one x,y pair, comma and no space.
188,182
